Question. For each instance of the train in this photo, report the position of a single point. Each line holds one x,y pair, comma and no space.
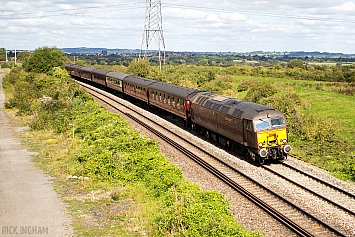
256,131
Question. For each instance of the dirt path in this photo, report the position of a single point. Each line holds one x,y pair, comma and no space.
28,204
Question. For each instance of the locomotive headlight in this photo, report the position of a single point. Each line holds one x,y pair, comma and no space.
287,149
263,152
284,141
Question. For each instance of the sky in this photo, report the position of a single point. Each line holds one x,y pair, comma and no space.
199,26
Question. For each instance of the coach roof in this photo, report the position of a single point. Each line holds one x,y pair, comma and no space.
72,66
138,80
101,72
86,69
117,75
178,91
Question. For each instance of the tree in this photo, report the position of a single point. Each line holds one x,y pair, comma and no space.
2,54
139,67
296,63
21,56
44,59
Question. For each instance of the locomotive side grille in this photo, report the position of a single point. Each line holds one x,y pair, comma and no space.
198,101
209,105
237,113
201,100
225,109
216,107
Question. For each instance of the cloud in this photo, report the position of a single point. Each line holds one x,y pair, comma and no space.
215,25
345,7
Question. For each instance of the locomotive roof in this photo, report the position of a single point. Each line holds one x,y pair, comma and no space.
101,72
234,107
175,90
138,80
117,75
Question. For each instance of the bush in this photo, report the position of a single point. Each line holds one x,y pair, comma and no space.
189,211
288,105
259,92
139,67
247,84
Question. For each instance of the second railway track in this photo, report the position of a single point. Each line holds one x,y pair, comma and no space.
293,217
315,186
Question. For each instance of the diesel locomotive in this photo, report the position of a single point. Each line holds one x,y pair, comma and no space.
255,130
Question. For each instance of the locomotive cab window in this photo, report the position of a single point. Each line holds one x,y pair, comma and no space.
262,124
277,121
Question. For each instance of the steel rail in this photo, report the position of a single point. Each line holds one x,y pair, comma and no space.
319,180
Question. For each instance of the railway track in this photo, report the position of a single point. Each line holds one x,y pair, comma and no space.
295,218
328,184
310,183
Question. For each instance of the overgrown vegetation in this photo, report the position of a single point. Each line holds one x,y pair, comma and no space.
130,188
302,68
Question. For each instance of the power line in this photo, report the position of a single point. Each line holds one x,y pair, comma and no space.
72,11
79,11
257,13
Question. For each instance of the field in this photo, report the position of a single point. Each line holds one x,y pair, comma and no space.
327,64
318,98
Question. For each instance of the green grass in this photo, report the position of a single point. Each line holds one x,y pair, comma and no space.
333,105
318,99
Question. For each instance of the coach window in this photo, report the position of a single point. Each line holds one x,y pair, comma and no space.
178,103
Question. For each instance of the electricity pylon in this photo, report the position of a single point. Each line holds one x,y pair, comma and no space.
153,29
